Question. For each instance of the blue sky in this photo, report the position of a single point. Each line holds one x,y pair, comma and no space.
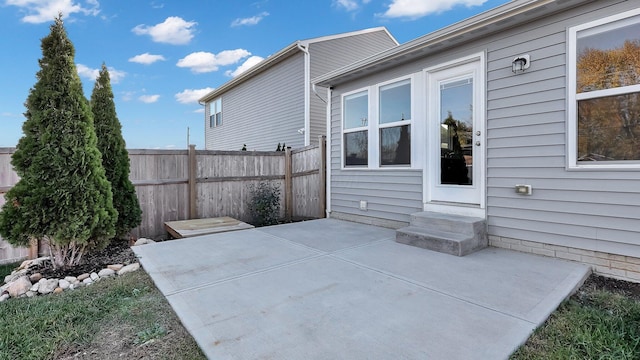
164,55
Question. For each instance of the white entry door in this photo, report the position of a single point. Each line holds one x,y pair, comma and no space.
455,150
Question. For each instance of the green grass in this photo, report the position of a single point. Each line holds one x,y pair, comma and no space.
6,269
122,317
593,324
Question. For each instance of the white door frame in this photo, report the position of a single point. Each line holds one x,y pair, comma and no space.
433,200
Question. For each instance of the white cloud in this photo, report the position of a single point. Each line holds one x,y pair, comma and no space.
199,111
41,11
92,74
174,30
203,62
250,62
254,20
146,58
349,5
191,96
149,99
414,9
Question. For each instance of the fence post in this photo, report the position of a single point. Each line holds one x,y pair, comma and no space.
322,169
288,184
33,249
193,213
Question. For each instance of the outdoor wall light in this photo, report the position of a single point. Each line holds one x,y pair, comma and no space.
520,63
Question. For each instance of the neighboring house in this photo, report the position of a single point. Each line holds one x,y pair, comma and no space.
273,102
547,155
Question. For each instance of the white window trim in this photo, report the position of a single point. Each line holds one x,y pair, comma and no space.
409,122
343,130
373,126
210,104
602,25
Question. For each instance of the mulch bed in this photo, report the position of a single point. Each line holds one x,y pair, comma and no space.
117,252
624,288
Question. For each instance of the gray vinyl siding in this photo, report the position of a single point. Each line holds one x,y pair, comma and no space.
525,144
264,111
390,194
332,54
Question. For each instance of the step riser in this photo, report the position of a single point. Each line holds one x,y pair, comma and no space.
449,234
457,248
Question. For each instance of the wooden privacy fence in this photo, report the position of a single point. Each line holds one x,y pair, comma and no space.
192,184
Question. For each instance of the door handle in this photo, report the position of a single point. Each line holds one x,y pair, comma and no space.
477,143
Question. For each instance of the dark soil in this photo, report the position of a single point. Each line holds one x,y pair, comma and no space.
117,252
624,288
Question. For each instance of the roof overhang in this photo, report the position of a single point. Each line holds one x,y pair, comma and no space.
498,19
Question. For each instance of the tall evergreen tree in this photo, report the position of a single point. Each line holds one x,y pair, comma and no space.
63,196
115,157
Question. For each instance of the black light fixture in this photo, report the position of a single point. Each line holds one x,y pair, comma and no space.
520,63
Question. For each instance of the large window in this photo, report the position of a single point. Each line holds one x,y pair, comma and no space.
604,93
215,113
394,123
355,129
376,125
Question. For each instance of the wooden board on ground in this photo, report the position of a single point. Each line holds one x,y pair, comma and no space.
188,228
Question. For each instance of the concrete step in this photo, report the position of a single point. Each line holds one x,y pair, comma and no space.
448,223
446,233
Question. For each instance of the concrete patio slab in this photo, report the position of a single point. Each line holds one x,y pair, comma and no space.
329,234
328,289
193,262
493,278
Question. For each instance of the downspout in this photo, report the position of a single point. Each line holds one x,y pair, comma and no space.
328,156
205,123
307,85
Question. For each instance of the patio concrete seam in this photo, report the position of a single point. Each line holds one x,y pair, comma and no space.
248,274
294,243
329,252
424,286
374,242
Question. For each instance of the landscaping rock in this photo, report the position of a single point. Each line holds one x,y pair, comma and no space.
129,268
64,284
4,297
35,277
31,294
47,286
83,277
71,279
18,287
58,290
35,287
25,264
94,276
39,261
87,281
143,241
115,267
15,275
106,272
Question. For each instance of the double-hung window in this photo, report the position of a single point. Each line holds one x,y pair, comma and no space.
355,129
215,113
376,126
394,121
604,92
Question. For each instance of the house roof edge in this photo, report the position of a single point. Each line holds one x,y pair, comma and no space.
283,54
449,33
